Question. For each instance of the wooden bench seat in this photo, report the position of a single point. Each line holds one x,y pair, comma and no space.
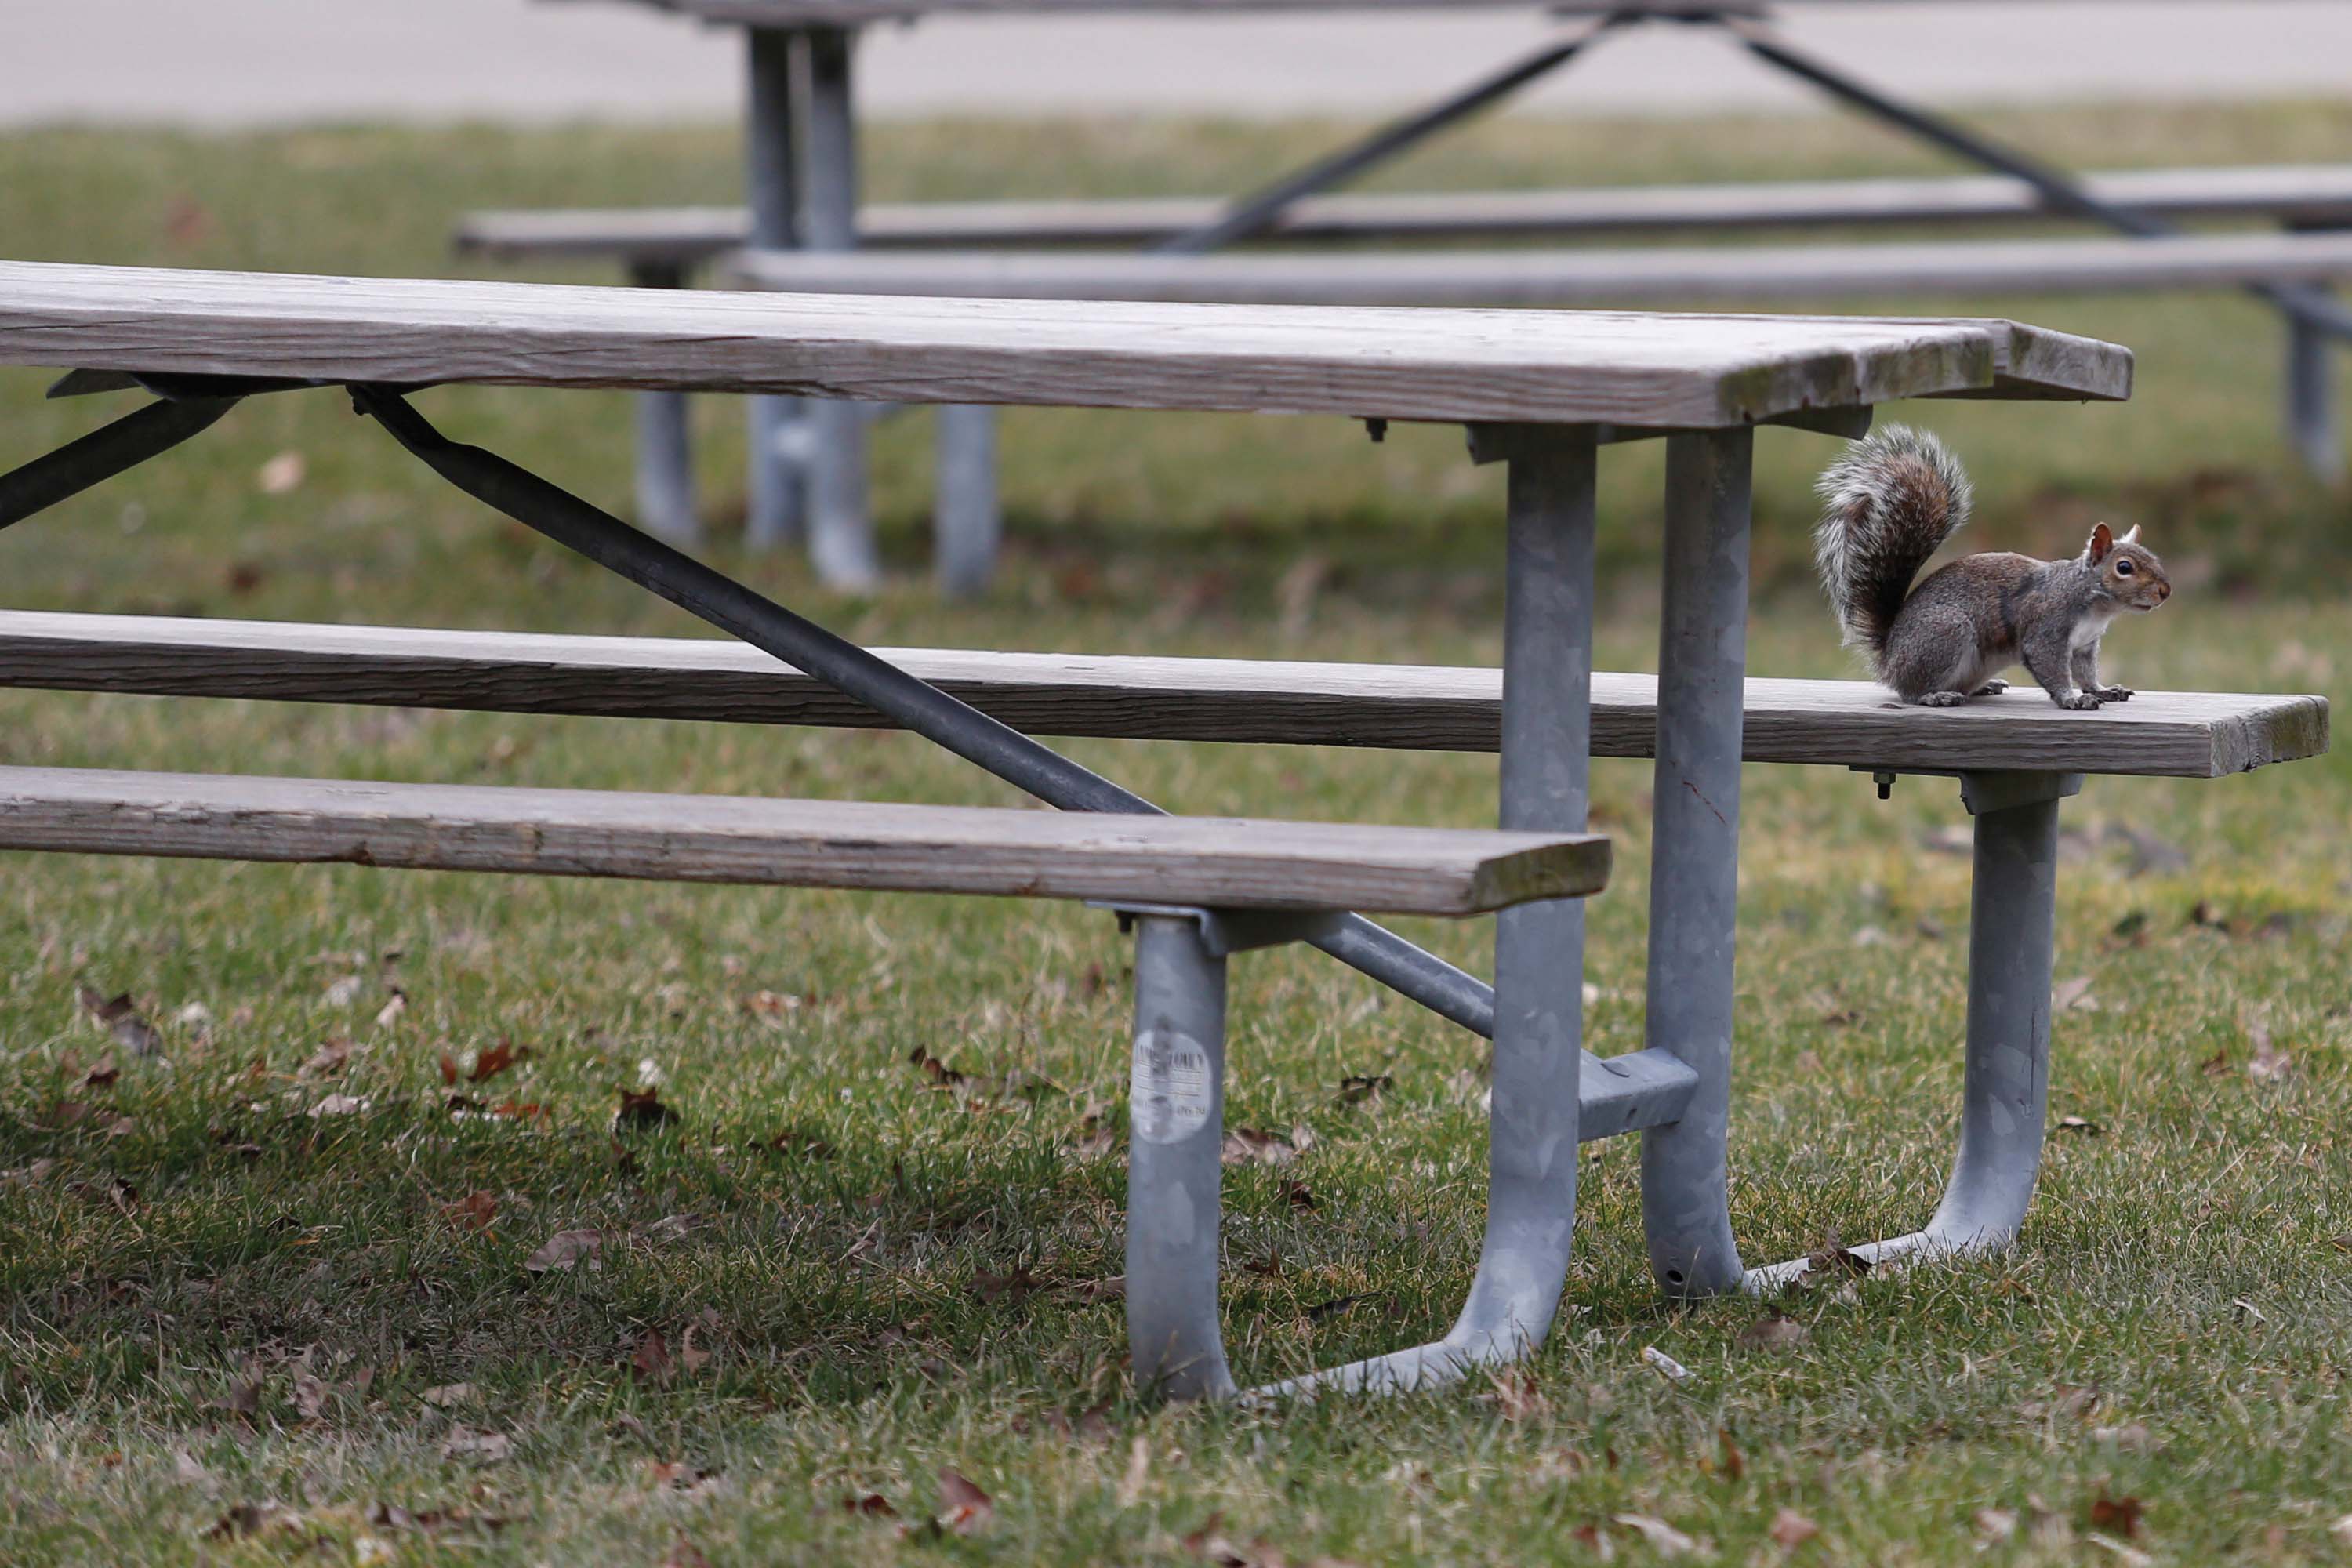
2316,195
1214,862
1551,277
1415,707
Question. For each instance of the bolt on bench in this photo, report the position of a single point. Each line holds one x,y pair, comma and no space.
1540,392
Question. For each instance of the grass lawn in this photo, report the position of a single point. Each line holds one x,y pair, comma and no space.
263,1296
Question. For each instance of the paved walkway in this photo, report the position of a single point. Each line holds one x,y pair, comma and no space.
240,62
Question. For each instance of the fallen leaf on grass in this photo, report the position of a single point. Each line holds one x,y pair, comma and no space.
652,1362
1792,1530
1018,1283
1664,1538
481,1447
1254,1146
1515,1397
103,1075
123,1020
563,1249
1735,1463
340,1105
311,1393
640,1111
2129,1556
2132,1436
1358,1088
243,1396
250,1519
2081,1125
2247,1311
280,474
1774,1331
389,1014
448,1395
1668,1367
793,1140
123,1195
964,1509
872,1505
673,1475
343,993
1995,1524
332,1056
2119,1514
2073,995
475,1211
2269,1064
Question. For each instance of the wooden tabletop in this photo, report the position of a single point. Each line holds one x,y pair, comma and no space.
1652,370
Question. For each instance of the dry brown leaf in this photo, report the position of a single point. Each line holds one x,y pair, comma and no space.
1775,1331
475,1211
1792,1529
1735,1463
483,1447
340,1105
964,1509
394,1006
563,1249
488,1064
652,1362
1667,1366
1358,1088
1515,1396
310,1396
448,1395
122,1019
103,1075
872,1505
2119,1514
243,1396
1596,1544
250,1519
1254,1146
642,1110
332,1056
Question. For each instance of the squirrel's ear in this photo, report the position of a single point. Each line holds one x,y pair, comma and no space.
2131,535
2103,540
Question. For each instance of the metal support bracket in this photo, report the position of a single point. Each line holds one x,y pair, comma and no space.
1224,932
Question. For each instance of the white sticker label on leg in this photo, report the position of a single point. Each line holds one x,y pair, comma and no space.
1170,1096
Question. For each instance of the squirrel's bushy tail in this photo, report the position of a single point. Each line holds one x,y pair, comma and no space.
1887,505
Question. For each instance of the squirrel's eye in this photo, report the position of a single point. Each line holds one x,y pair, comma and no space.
2123,568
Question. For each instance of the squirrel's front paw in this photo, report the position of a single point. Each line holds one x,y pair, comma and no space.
2115,693
2078,700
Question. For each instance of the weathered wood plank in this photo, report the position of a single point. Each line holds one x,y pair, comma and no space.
2301,192
1520,279
1413,707
855,13
1616,368
1216,861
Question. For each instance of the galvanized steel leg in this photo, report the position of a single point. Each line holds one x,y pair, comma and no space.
2012,917
965,520
841,530
1175,1134
1695,854
664,440
1538,948
775,512
2313,413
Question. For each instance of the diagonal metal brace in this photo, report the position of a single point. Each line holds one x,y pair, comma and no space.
104,453
913,703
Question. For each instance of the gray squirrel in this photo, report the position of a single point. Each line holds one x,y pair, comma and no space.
1889,505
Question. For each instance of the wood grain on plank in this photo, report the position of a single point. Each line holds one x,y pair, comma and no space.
1521,278
2300,192
1215,862
853,12
1623,368
1413,707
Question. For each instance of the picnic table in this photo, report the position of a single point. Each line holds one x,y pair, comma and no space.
1542,392
808,466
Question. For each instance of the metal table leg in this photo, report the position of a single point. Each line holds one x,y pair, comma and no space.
775,512
664,440
1538,948
2012,920
1694,853
1175,1140
841,529
966,522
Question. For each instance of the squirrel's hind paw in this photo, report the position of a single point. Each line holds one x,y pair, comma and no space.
1941,699
2076,700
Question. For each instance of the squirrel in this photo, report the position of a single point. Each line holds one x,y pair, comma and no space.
1889,505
